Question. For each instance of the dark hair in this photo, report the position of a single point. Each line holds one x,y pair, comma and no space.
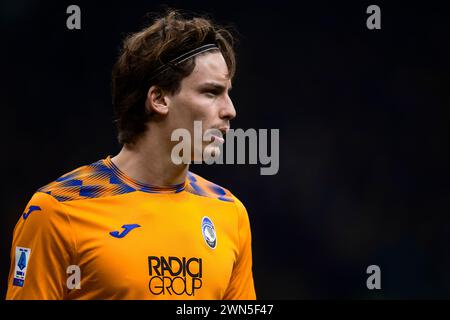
145,51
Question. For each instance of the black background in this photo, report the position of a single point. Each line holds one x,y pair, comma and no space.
363,118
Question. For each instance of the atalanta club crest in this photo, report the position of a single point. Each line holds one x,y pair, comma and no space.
209,233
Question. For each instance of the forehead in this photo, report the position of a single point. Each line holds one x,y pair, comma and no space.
209,67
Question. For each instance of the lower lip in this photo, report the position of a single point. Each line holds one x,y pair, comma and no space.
218,139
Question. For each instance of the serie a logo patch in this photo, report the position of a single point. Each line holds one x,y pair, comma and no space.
209,232
20,269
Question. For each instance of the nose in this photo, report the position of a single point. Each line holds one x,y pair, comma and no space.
227,110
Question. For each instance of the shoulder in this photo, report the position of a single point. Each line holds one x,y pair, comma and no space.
42,214
40,202
45,228
203,187
89,181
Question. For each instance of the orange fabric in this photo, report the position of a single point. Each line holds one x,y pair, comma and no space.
133,241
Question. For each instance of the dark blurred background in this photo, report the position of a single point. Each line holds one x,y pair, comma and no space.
364,132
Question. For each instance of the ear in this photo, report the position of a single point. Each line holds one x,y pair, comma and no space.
157,101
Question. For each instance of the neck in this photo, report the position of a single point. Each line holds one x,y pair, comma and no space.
149,161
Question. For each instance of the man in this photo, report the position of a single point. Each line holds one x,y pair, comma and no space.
138,225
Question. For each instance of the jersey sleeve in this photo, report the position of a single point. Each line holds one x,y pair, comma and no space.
42,249
241,286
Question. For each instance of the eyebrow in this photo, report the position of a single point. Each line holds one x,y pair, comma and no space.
214,85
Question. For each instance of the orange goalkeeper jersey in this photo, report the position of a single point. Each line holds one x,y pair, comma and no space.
95,233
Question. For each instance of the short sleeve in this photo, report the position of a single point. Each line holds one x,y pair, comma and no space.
241,286
42,249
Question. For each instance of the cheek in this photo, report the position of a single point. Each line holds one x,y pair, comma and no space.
197,107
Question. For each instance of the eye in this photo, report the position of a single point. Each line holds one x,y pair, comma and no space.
211,93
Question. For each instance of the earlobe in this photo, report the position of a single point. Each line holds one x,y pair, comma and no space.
156,101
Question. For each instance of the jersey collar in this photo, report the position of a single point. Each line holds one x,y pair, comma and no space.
139,185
